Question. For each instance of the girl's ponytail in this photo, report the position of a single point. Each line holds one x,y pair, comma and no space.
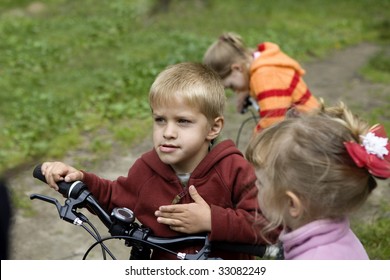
235,41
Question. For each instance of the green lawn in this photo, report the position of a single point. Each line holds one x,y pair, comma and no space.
76,67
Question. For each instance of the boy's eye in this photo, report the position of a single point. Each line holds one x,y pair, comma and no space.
158,119
183,121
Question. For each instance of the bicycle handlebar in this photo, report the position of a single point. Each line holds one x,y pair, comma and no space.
249,102
66,189
121,222
78,191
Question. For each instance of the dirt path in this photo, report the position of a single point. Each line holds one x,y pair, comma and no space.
42,235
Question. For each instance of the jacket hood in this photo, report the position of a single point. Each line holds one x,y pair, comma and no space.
271,55
217,153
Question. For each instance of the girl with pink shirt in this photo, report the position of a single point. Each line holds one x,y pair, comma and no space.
312,171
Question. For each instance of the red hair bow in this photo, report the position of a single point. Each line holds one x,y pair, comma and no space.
373,153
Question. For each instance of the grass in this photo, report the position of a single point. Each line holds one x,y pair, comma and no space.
375,235
74,68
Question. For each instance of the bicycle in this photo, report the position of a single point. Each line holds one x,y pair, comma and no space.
122,224
251,106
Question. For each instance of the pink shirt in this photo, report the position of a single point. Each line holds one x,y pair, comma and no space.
323,240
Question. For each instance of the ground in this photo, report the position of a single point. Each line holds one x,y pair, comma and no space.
40,234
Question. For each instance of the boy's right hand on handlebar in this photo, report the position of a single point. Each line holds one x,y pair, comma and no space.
59,171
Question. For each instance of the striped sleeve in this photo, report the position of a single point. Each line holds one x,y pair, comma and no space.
288,91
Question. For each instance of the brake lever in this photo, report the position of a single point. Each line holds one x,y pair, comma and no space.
47,199
67,212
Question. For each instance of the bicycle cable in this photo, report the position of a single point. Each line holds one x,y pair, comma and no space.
155,246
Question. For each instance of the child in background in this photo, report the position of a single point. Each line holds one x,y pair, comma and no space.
313,171
190,182
267,74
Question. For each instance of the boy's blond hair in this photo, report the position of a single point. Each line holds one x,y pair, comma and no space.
197,84
306,155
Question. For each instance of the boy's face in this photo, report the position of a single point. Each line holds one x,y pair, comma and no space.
181,135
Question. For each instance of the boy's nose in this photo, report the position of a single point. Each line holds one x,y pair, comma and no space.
170,131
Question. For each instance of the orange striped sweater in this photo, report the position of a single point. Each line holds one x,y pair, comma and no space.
277,85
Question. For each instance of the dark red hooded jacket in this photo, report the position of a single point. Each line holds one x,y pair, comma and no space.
224,179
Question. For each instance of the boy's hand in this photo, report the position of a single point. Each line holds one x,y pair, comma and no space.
58,171
187,218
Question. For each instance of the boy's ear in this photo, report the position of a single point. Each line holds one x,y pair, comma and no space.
215,128
295,207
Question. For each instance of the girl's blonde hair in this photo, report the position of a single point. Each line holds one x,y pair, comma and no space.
197,84
306,155
227,50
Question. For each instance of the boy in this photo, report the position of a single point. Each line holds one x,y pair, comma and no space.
189,182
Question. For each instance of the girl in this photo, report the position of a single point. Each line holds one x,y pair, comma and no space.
314,170
267,74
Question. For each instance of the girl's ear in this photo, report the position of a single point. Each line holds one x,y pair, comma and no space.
216,128
237,67
295,207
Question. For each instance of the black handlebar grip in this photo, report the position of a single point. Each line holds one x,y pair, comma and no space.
37,173
67,189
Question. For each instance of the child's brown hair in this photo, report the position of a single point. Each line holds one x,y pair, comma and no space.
307,156
223,53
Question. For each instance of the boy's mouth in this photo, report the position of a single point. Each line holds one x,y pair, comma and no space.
168,148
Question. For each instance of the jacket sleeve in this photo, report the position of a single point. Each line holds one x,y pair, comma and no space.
243,222
121,192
